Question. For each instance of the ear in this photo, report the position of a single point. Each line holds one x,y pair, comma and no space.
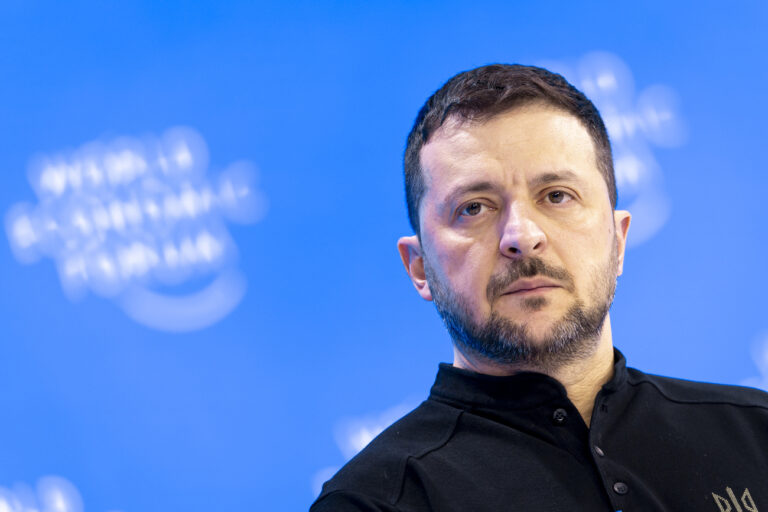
413,259
621,219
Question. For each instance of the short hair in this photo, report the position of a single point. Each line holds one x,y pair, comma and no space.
484,92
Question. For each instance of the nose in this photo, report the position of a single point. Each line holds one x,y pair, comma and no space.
522,236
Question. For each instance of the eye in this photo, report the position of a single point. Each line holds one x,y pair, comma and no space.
558,197
472,209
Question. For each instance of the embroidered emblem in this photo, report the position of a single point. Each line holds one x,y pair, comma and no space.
724,504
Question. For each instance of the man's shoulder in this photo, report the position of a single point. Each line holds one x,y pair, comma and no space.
690,391
379,469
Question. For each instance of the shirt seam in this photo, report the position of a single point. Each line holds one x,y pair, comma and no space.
688,402
396,497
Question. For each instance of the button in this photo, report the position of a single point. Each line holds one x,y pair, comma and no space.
620,488
559,416
599,451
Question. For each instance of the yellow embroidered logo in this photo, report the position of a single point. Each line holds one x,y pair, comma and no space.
724,504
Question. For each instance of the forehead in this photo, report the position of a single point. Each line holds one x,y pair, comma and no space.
523,142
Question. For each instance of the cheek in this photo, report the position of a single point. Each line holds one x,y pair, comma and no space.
464,263
585,249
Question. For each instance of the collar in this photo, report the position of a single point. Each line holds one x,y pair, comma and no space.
522,390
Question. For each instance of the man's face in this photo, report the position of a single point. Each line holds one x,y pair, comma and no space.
519,247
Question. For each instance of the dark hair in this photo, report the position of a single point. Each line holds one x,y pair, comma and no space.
481,93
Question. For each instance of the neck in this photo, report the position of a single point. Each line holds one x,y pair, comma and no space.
582,379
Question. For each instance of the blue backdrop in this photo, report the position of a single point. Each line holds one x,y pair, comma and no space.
202,305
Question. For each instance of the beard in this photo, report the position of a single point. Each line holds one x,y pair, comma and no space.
575,336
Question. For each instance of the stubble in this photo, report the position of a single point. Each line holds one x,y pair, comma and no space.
575,336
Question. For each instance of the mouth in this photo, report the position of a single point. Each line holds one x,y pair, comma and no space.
524,287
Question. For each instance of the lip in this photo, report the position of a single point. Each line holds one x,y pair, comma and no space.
528,286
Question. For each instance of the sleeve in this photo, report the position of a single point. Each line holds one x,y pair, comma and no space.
346,501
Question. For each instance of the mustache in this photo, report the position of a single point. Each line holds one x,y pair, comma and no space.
530,267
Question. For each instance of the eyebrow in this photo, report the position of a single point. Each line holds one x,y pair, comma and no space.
549,177
476,186
537,181
470,188
490,186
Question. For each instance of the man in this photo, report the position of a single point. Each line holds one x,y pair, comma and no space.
511,195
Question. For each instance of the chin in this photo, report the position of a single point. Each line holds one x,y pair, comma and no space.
541,336
540,322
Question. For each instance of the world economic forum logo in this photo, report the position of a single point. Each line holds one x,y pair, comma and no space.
139,221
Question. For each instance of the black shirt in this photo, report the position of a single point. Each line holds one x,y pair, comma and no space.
484,443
